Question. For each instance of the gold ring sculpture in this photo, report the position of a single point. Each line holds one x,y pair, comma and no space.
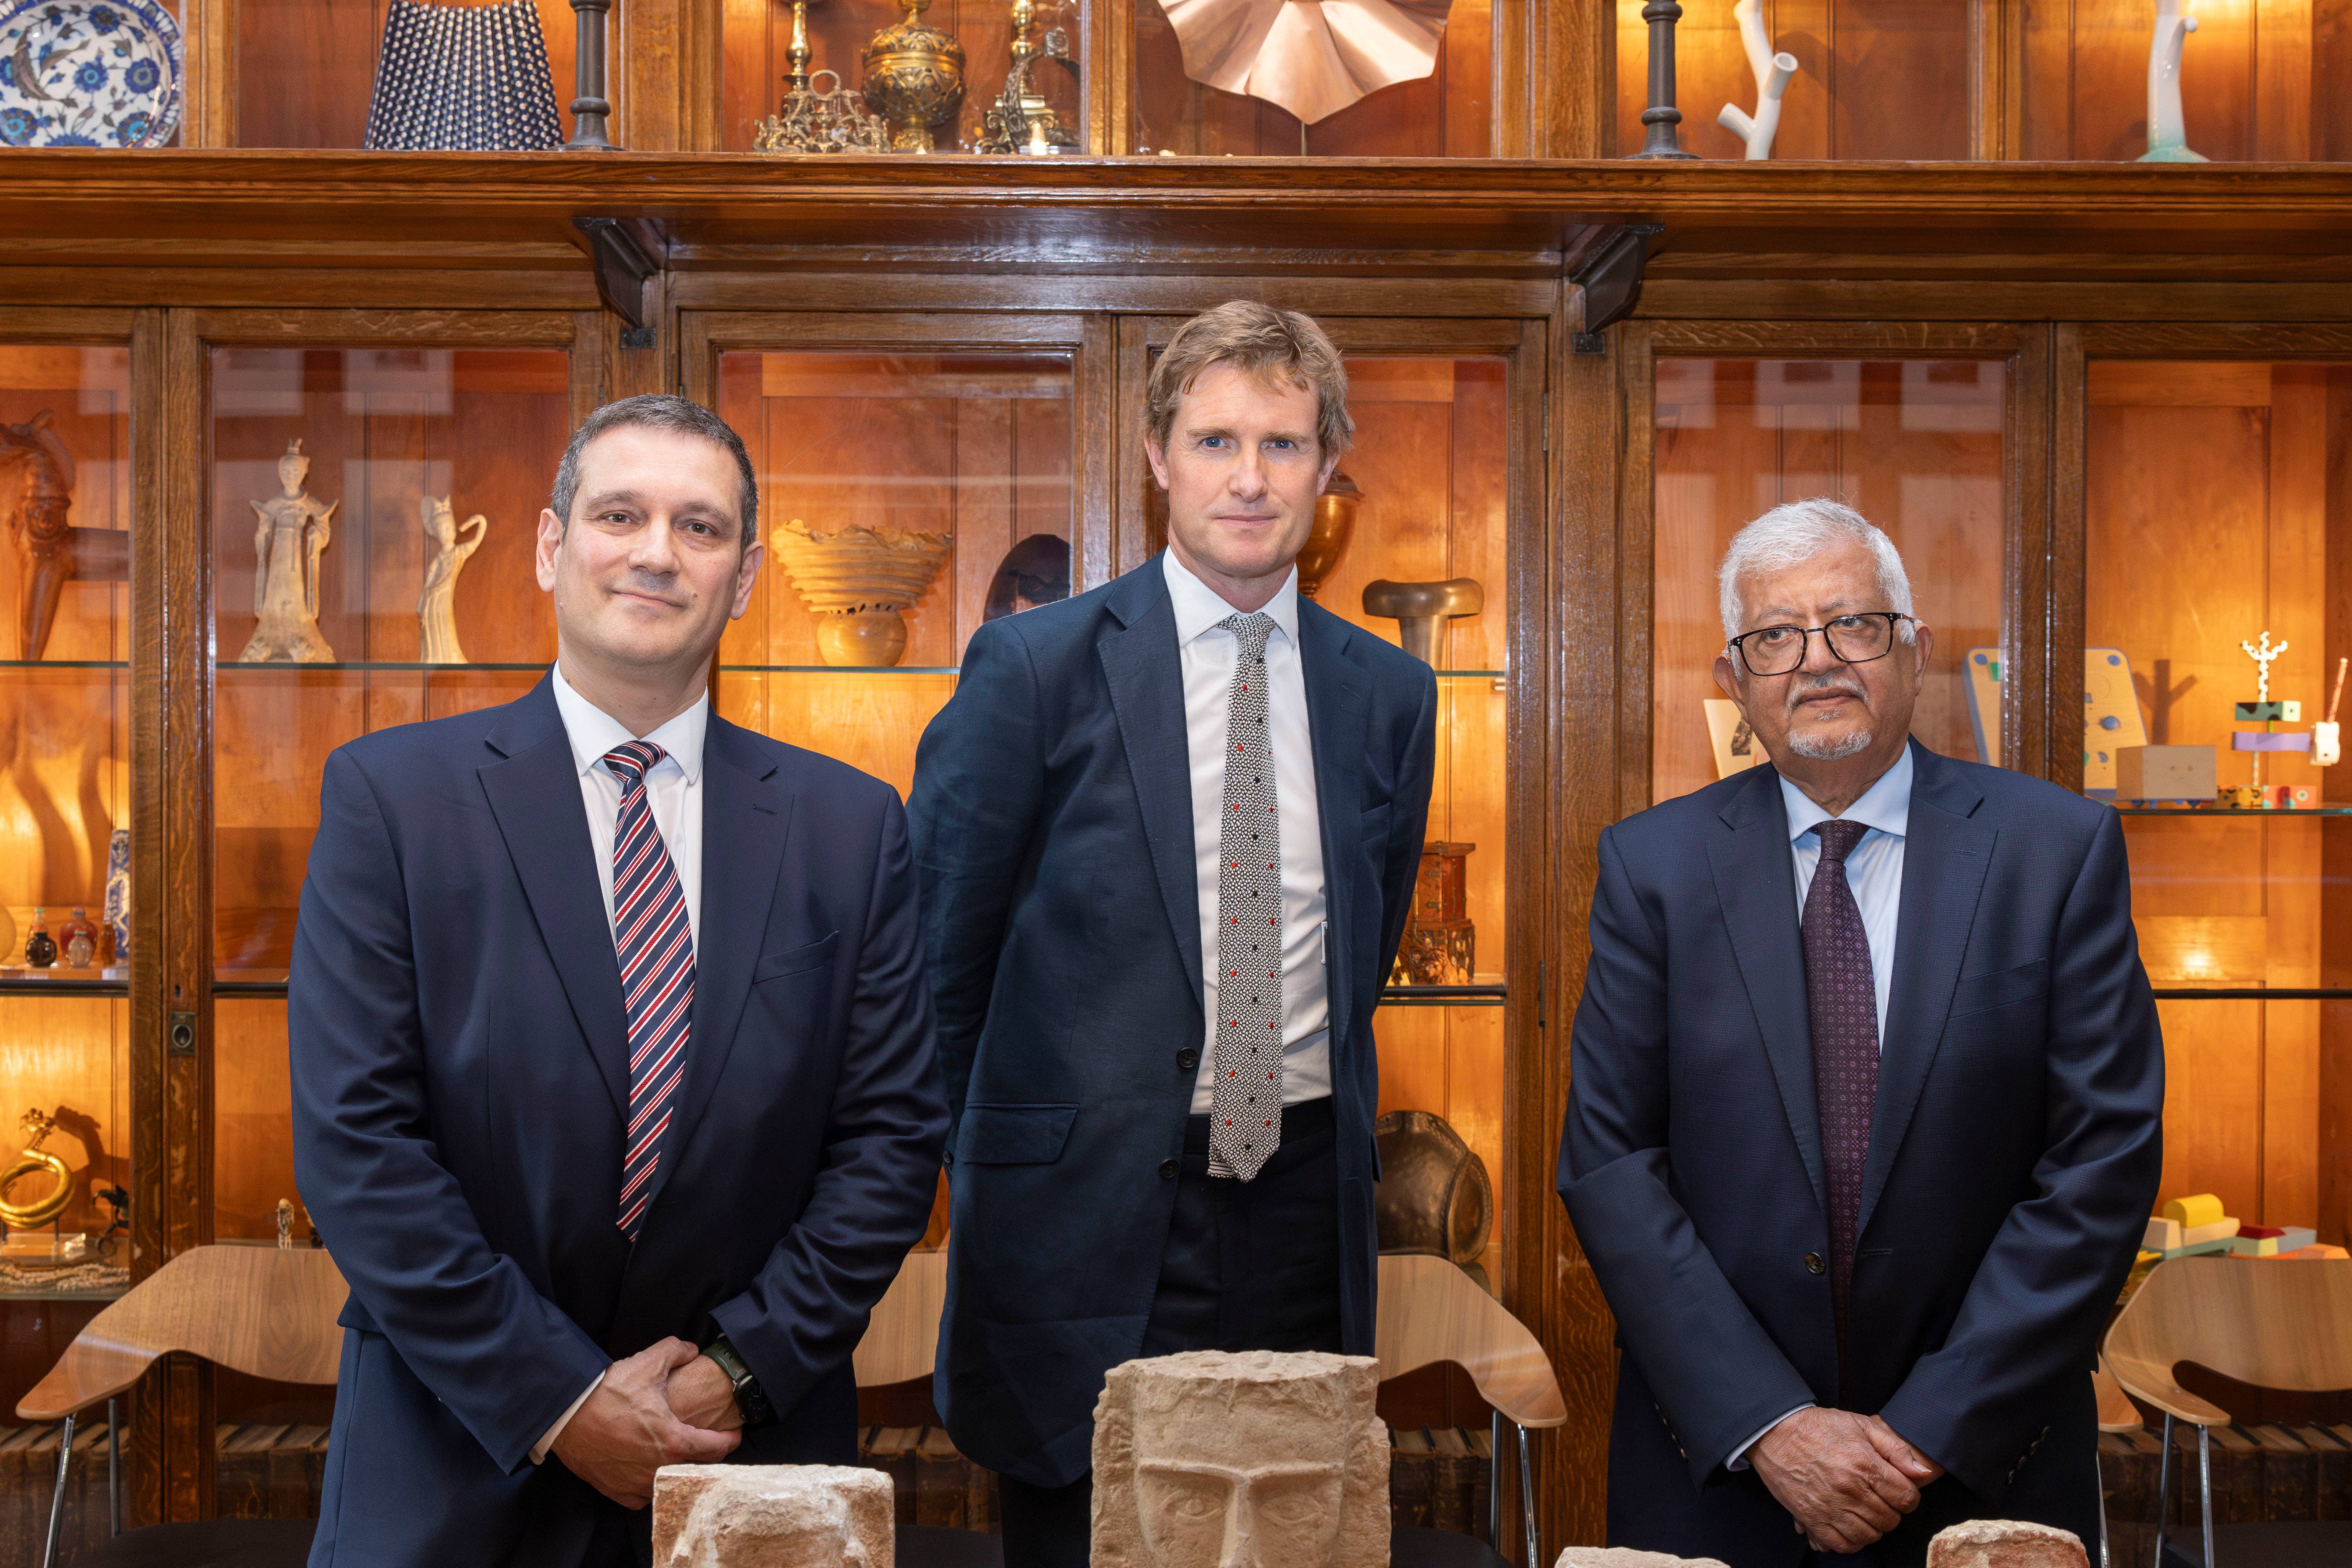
27,1217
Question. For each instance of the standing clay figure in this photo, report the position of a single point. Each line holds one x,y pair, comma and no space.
287,542
437,606
773,1516
57,552
1261,1459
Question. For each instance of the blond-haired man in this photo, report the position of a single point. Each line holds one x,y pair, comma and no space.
1166,833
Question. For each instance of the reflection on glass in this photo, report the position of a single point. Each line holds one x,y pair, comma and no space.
2215,509
1914,444
65,789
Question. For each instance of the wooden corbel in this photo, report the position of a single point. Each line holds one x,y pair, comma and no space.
626,252
1611,276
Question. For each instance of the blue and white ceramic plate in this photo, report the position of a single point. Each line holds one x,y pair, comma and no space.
89,73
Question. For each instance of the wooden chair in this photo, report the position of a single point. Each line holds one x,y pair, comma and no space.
267,1312
1431,1311
2275,1325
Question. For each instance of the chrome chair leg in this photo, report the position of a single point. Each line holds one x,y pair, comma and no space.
2205,1486
1527,1502
1495,1481
57,1498
2100,1476
113,1470
2163,1489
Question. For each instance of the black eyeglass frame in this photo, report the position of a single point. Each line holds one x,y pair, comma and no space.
1893,618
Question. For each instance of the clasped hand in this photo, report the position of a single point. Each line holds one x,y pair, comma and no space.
1846,1479
657,1407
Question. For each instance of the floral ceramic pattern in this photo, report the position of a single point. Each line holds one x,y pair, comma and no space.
89,73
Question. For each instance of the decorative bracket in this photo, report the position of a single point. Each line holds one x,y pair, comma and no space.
626,252
1611,277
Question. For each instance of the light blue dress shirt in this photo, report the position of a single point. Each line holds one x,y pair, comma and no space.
1874,869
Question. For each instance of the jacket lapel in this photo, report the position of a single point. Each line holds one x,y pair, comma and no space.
1338,705
1146,682
746,818
1756,881
534,792
1946,853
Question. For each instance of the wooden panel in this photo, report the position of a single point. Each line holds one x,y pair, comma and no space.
2213,1102
69,1057
306,68
1876,79
2256,79
254,1162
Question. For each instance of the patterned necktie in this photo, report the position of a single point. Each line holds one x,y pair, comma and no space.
656,945
1842,997
1245,1106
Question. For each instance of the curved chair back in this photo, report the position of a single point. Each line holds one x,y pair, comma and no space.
903,1336
1431,1311
263,1310
2275,1325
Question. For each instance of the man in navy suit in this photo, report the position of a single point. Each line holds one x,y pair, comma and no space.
615,1086
1167,832
1859,1185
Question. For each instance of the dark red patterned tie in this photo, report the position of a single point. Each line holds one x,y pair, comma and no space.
655,943
1841,998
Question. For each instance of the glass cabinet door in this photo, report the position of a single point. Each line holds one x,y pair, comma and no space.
1920,447
2215,573
65,869
358,494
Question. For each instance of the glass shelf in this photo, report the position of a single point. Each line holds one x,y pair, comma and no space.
65,664
838,670
1445,996
73,982
2233,813
385,666
2251,993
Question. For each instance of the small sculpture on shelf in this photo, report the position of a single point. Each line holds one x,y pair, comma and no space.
2326,739
914,75
35,1160
1035,571
78,939
2167,135
1311,60
2264,712
1440,944
1326,538
40,948
1423,609
56,551
856,581
812,119
118,895
1662,140
1772,73
1023,120
292,533
437,606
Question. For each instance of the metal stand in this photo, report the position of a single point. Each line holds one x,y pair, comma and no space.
113,1470
1527,1503
590,109
1662,116
57,1498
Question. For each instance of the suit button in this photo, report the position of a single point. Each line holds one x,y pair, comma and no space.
1168,1170
1188,1059
1813,1264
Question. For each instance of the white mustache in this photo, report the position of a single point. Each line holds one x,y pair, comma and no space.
1806,686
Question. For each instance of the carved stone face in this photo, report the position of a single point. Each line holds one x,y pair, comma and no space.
776,1515
1257,1460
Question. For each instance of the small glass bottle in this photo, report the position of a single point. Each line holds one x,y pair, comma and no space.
78,938
40,948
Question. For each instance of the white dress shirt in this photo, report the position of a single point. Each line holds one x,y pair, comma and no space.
1874,869
1207,651
673,791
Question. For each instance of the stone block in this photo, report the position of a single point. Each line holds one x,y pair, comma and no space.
1253,1461
2006,1544
773,1516
1626,1557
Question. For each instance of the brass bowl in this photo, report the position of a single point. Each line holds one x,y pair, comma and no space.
1335,521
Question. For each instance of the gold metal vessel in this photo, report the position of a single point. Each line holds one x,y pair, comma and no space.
914,77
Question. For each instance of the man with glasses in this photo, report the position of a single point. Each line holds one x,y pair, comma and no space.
1866,1104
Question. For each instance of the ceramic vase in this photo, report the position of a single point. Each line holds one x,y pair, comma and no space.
856,581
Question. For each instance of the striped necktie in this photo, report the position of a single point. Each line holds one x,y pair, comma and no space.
655,944
1842,1005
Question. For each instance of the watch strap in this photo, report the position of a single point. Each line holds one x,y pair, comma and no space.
748,1400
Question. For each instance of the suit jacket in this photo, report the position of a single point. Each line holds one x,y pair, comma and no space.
1053,825
2013,1158
460,1085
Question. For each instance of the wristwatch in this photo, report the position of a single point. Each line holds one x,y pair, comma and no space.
748,1400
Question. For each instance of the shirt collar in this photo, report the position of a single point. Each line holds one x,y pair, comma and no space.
1200,608
593,732
1884,805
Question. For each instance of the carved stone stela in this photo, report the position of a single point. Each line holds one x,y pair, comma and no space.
2006,1544
1255,1460
773,1516
1626,1557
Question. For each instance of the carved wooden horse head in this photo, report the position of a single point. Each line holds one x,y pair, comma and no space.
57,553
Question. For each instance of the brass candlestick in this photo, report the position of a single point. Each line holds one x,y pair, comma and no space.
796,58
914,75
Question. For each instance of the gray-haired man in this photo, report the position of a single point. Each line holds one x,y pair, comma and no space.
1867,1089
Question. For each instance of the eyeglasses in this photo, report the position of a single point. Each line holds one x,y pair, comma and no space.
1856,640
